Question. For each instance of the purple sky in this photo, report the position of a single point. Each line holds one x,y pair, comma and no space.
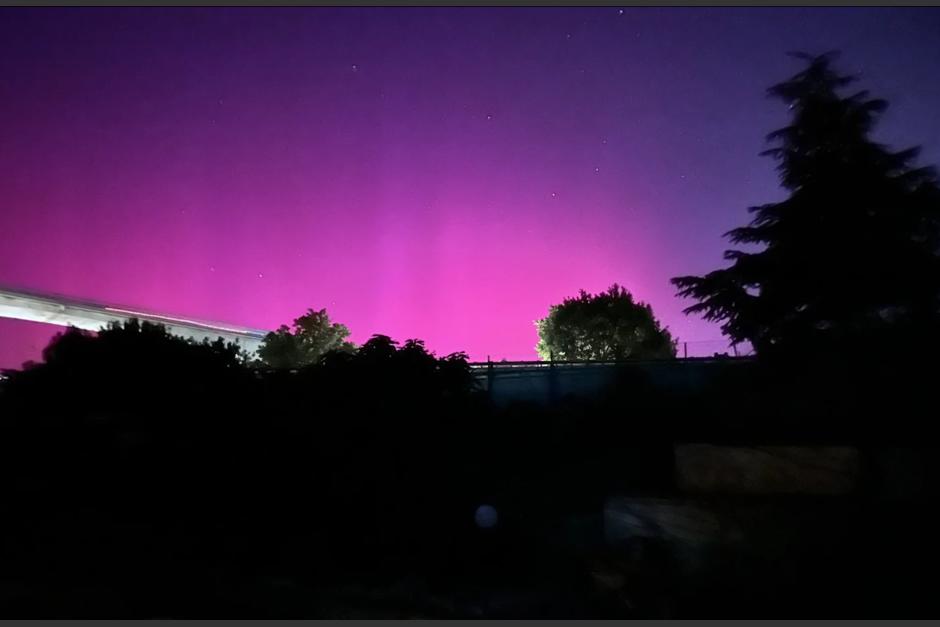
437,173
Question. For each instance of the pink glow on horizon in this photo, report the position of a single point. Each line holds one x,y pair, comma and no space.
437,174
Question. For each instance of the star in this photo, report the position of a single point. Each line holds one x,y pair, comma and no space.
620,12
596,170
489,116
355,68
260,275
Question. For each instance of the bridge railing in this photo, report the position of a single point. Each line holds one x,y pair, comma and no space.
509,365
539,365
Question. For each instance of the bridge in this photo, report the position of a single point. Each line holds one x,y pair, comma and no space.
60,310
546,382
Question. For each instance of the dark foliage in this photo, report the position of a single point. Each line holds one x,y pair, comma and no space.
148,476
145,475
850,258
311,336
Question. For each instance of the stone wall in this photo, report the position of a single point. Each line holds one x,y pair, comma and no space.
819,470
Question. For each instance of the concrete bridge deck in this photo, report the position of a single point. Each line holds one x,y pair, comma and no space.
20,304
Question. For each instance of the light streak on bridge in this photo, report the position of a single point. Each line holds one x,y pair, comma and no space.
64,311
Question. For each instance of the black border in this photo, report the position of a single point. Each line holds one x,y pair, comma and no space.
471,3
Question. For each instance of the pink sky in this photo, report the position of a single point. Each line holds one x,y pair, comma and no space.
440,174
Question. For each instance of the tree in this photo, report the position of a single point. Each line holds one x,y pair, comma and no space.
310,338
606,326
851,257
134,342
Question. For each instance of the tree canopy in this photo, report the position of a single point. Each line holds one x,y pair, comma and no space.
134,342
851,256
606,326
311,336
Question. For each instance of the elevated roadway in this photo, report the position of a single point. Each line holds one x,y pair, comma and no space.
19,304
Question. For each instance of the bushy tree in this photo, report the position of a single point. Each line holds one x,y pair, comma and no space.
605,326
132,360
382,364
850,258
134,340
311,336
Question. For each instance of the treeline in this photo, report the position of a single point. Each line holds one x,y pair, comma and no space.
145,474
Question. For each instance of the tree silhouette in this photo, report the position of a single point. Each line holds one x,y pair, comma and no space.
311,336
606,326
851,257
136,343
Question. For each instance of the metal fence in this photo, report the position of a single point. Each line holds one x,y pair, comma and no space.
541,365
691,350
710,348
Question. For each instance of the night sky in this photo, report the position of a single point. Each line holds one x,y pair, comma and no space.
444,174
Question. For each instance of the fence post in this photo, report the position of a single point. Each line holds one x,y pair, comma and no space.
685,350
552,379
489,376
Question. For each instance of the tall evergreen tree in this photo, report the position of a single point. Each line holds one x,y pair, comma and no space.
851,257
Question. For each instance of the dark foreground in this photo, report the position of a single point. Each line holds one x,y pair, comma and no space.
144,477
